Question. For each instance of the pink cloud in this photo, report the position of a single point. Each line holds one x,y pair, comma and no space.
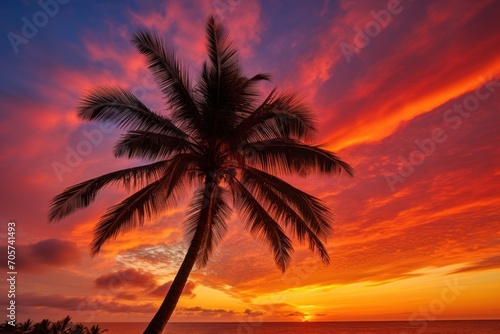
126,278
45,255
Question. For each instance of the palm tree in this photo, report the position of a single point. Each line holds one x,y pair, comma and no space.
80,329
8,328
222,140
26,326
62,326
96,329
42,327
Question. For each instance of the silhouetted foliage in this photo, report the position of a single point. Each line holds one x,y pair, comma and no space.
64,326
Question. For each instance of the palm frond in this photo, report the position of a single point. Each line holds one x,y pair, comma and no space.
152,145
291,156
219,89
282,212
120,107
249,85
313,211
83,194
128,214
248,92
172,78
221,49
261,225
219,213
280,116
144,204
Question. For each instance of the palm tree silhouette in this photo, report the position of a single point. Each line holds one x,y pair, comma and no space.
80,329
96,329
220,139
62,326
43,327
26,326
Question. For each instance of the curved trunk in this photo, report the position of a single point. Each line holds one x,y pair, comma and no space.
166,309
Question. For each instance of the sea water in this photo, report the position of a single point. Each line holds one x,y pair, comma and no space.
378,327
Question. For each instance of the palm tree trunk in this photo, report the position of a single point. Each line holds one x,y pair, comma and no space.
166,309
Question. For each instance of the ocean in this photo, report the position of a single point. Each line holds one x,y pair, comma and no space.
379,327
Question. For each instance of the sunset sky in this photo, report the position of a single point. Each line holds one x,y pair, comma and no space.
407,92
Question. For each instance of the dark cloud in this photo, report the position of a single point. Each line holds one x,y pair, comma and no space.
44,255
162,290
200,311
484,264
126,296
82,304
115,307
53,301
295,314
126,278
251,313
54,252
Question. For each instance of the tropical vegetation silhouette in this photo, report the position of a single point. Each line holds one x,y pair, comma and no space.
64,326
217,136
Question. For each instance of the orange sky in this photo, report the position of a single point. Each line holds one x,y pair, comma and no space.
415,110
